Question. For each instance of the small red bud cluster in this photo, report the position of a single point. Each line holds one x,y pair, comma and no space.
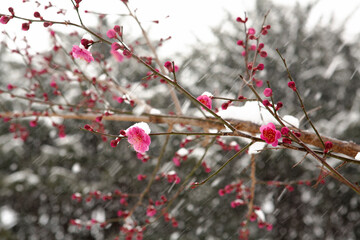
285,132
207,169
25,26
328,146
141,177
170,176
227,147
278,106
143,157
168,218
37,15
77,3
292,85
169,66
239,19
181,155
225,105
86,43
260,51
265,29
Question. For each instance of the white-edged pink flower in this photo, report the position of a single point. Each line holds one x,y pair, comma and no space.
117,55
205,99
78,52
138,137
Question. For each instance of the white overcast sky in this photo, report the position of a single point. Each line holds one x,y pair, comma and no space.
189,19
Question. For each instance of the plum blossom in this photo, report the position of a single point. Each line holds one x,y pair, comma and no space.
111,33
270,134
205,99
268,92
138,137
4,19
117,55
150,211
81,53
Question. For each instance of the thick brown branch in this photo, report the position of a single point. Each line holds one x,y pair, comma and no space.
347,148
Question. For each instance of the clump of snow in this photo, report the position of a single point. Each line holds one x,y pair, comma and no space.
260,214
256,147
139,109
255,112
26,175
182,152
268,206
8,217
155,111
207,94
252,111
76,168
143,125
291,121
98,214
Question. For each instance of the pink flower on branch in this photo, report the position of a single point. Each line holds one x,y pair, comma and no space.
111,33
138,137
117,55
4,19
205,99
81,53
270,134
268,92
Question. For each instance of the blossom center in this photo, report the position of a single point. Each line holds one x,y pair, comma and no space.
269,134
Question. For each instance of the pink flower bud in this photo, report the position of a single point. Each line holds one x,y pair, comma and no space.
268,92
25,26
251,31
111,33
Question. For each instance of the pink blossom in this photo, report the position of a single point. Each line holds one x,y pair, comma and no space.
252,217
263,54
115,46
251,31
176,161
114,143
266,103
127,53
268,92
270,134
141,177
328,146
111,33
81,53
269,226
151,211
25,26
221,192
33,123
285,131
117,55
137,136
260,66
4,19
10,87
168,65
206,100
259,83
117,29
292,85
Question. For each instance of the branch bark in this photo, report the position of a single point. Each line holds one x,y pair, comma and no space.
349,149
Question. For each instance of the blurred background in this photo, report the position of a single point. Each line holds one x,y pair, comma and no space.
38,176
